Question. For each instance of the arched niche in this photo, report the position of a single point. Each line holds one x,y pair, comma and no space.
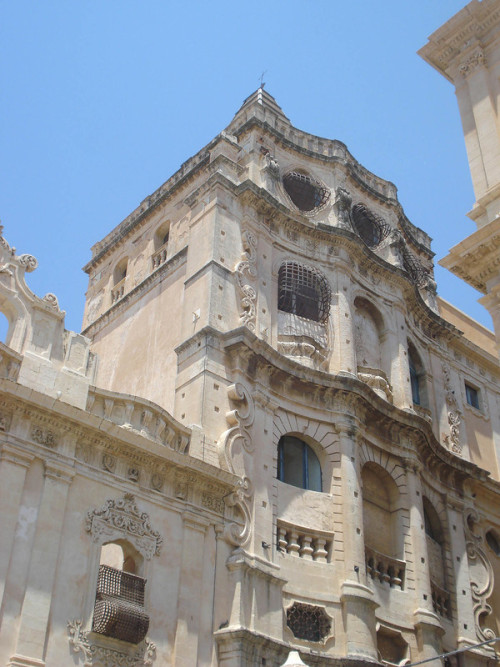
369,336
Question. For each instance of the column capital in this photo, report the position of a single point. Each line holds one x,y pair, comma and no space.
58,471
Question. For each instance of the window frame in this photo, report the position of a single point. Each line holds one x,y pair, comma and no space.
307,451
304,292
472,395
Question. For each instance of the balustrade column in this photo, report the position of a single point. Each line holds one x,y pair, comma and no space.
427,624
30,647
357,599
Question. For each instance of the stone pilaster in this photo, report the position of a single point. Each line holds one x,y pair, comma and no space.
33,626
343,357
13,466
427,625
190,584
357,599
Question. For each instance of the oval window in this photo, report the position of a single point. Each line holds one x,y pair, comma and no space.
305,192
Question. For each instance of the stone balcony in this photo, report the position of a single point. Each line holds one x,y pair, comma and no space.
385,569
315,545
118,291
159,257
441,600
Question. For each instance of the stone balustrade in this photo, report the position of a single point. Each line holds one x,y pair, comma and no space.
160,256
385,569
118,291
140,415
441,600
304,543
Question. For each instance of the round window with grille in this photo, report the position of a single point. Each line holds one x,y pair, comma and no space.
305,192
370,227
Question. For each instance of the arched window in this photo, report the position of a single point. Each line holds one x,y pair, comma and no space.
119,603
120,271
303,291
298,465
417,376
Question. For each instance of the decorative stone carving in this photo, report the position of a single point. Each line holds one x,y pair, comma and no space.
157,481
108,462
246,271
470,64
240,499
452,440
101,656
240,421
44,437
212,502
51,300
342,208
29,262
481,576
124,518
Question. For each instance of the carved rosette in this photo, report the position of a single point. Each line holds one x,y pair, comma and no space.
481,576
122,518
452,440
101,656
246,273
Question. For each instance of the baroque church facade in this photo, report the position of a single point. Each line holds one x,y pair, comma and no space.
272,443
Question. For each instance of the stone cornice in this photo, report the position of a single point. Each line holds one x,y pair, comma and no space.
461,33
476,259
103,436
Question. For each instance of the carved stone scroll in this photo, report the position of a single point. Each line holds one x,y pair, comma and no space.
246,273
240,499
240,420
481,576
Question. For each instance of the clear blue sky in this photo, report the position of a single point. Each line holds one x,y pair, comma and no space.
103,101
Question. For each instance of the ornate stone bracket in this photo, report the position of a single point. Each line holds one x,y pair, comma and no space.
240,499
101,656
481,576
470,64
452,440
122,518
245,273
240,421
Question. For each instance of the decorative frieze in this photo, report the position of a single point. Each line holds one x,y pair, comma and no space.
44,437
122,516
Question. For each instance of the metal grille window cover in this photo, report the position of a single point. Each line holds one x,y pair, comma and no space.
303,291
414,268
371,228
119,606
308,622
305,192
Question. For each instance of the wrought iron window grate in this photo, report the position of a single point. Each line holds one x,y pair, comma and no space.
119,605
414,268
308,622
371,228
305,192
303,291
